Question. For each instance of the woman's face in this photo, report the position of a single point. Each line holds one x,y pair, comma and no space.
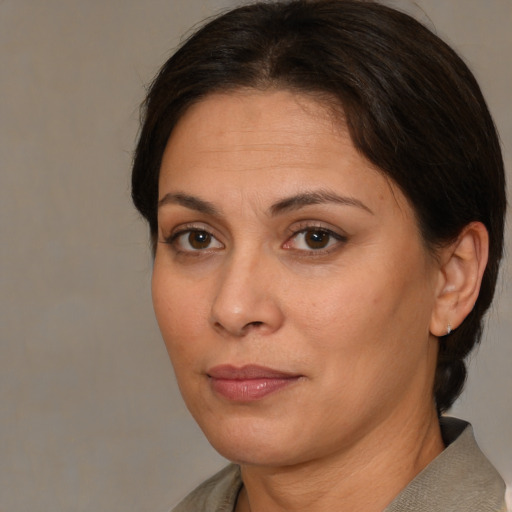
291,285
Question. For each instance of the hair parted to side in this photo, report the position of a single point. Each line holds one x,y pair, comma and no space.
411,105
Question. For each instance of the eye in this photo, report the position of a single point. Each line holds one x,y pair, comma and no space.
313,239
193,240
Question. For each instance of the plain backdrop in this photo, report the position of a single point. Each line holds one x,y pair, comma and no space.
90,416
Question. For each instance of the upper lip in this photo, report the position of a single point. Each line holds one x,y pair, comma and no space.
230,372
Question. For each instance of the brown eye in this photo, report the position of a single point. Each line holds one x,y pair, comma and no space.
316,239
193,240
199,239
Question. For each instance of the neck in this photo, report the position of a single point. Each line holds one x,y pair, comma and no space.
364,477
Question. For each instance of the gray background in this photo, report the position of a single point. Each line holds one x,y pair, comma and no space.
90,418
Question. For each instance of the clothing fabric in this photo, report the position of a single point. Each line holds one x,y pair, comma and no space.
460,479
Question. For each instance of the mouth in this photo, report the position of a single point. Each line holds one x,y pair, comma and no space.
248,383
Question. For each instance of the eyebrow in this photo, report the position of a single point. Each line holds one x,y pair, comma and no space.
190,202
315,197
284,205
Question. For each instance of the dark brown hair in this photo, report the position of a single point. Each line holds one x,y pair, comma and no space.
411,105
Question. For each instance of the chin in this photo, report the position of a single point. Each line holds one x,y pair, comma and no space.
253,443
254,453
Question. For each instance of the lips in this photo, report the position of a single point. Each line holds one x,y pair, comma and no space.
248,383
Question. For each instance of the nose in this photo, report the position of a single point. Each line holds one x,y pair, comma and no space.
247,298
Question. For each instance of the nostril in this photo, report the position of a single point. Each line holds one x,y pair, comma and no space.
252,325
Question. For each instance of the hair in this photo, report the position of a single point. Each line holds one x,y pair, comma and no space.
411,105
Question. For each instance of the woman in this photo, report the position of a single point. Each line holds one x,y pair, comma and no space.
325,193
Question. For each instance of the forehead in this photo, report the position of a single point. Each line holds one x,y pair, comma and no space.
268,143
248,118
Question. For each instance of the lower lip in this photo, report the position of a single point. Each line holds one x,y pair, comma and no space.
249,390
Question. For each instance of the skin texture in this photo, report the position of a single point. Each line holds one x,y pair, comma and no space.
353,320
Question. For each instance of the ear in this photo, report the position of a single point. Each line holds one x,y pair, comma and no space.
462,266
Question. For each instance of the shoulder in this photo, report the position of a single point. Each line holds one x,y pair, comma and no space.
217,494
460,479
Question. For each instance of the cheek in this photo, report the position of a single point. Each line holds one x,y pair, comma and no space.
180,313
362,320
364,360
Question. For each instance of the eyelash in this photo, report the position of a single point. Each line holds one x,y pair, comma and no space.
334,240
173,240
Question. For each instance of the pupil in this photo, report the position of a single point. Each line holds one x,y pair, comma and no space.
317,239
199,239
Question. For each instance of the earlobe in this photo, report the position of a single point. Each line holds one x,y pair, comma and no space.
460,275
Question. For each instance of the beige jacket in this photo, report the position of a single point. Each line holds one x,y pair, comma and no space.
460,479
